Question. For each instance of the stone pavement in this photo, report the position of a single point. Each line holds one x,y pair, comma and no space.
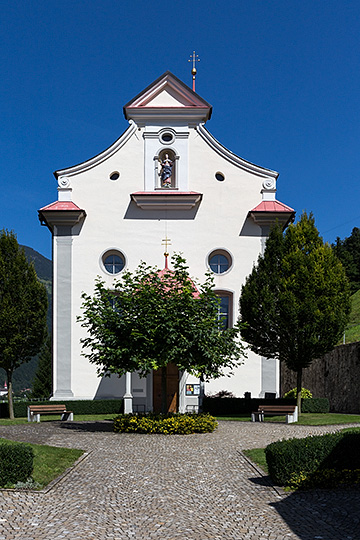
168,487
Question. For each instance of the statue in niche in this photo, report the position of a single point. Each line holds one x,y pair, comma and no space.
165,172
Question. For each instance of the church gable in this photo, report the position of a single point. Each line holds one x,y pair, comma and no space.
169,94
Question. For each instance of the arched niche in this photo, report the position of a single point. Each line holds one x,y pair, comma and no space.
166,169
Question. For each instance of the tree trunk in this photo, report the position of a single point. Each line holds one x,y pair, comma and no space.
298,389
10,395
163,390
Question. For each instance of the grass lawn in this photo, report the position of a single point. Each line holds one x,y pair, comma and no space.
257,455
54,417
50,462
306,419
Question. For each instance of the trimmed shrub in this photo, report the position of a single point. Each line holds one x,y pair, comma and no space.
315,405
84,406
16,463
166,424
294,459
227,406
327,478
305,394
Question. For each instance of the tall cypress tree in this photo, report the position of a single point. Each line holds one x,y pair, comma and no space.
348,251
42,385
295,304
23,305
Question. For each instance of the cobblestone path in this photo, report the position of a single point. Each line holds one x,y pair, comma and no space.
169,487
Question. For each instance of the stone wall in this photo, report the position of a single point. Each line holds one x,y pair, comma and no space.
335,376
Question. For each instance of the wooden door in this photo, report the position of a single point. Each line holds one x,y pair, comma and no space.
172,389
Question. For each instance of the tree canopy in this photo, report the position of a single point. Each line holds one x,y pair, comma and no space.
348,251
23,305
295,304
150,319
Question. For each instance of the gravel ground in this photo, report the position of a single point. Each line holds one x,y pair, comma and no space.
169,487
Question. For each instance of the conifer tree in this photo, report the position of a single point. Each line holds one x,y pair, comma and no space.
295,304
23,305
348,251
42,385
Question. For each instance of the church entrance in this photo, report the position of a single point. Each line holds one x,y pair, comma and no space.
172,389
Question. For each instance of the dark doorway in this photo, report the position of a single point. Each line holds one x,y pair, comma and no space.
172,389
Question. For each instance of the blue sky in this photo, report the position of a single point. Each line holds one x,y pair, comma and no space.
282,77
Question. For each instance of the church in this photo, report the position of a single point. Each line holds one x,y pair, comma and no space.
166,177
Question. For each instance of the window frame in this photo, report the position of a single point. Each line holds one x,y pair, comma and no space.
115,252
225,253
223,293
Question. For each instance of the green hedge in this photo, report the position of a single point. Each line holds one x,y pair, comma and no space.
315,405
16,463
237,406
302,457
94,406
166,424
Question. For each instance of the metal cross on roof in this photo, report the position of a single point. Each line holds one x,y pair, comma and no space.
166,242
194,58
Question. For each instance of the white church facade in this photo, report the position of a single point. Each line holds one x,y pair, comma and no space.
165,177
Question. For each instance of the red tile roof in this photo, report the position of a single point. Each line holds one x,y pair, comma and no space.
61,205
272,206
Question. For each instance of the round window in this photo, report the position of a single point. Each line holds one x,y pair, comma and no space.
113,262
219,176
115,175
167,137
219,261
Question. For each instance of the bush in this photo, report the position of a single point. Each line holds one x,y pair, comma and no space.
305,394
327,478
294,459
166,424
16,463
315,405
84,406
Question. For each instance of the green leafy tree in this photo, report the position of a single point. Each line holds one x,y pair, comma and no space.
348,251
42,385
23,305
151,319
295,304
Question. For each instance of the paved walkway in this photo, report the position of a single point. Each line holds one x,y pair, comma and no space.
168,487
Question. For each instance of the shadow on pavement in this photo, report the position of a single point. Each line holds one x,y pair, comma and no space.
90,427
322,514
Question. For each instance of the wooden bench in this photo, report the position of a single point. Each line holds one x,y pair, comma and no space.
34,412
290,411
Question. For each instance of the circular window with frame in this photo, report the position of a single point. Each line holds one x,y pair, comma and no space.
113,261
219,261
167,136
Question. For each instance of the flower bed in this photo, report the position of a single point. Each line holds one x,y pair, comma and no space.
166,424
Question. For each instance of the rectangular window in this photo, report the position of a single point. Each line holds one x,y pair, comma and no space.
224,310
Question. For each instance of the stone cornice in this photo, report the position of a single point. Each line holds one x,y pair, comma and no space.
93,162
166,200
233,158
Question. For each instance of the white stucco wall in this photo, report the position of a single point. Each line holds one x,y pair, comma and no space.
113,221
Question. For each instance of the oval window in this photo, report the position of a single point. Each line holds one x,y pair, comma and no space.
167,137
115,175
219,176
